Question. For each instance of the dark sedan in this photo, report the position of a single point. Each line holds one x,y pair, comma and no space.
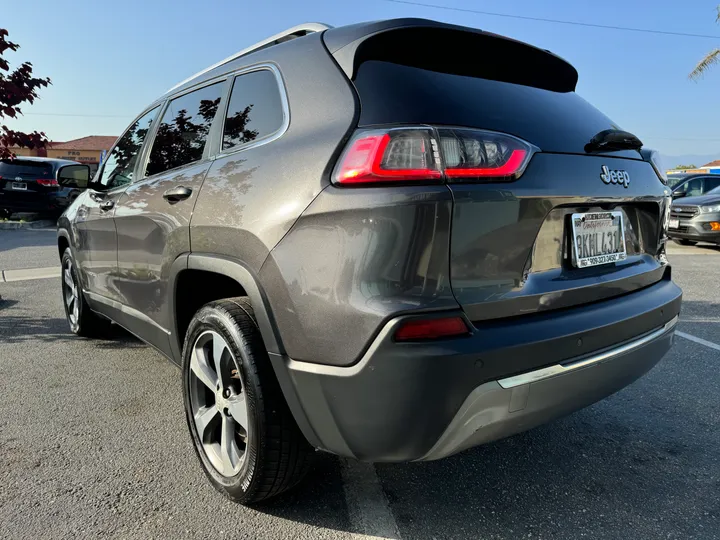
43,185
696,219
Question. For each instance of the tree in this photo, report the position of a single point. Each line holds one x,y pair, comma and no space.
17,87
685,167
711,58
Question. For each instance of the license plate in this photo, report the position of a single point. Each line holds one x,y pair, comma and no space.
674,224
19,185
599,238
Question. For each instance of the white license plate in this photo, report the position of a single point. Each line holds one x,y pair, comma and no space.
599,238
674,224
19,185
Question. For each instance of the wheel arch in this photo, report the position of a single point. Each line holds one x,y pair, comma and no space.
239,273
245,278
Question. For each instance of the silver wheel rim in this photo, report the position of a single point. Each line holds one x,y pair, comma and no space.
71,295
218,404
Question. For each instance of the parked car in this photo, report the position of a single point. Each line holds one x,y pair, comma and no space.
696,219
370,241
692,185
35,184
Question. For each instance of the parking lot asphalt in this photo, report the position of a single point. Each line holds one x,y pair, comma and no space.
93,443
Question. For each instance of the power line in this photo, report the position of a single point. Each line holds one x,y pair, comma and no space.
557,21
78,115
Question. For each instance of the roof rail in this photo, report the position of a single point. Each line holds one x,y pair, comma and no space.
296,31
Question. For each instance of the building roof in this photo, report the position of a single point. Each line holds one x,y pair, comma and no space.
93,142
713,164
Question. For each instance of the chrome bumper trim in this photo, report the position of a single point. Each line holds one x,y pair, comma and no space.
559,369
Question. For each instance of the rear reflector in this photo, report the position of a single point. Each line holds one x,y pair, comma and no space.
47,182
414,155
431,329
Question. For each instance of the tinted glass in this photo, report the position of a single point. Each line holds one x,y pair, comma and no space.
184,129
712,183
715,191
554,121
255,109
120,163
27,170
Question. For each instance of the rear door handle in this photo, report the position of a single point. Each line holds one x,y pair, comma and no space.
177,194
107,205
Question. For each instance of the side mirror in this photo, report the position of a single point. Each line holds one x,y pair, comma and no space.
76,176
679,194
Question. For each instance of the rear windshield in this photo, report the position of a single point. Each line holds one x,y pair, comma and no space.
553,121
25,169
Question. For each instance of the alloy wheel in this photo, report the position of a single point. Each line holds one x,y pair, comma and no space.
71,294
218,404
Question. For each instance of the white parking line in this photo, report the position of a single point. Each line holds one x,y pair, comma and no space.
368,508
701,341
29,273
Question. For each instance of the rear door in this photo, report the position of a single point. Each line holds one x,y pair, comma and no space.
514,247
96,255
153,215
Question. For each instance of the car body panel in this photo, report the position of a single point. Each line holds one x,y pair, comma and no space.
152,232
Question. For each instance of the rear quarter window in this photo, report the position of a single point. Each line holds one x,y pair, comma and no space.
255,110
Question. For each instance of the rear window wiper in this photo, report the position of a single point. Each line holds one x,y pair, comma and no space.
611,140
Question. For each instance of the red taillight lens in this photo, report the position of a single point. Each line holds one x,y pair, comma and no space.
431,329
47,182
394,155
414,155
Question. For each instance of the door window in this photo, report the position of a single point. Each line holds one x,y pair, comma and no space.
711,183
120,163
255,110
184,129
693,187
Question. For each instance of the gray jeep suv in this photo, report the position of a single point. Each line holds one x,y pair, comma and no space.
391,241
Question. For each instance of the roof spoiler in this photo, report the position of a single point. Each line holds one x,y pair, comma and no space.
286,35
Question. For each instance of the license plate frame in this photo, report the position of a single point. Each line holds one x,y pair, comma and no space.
595,246
674,223
19,186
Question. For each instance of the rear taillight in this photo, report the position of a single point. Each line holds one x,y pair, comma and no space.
48,182
426,154
387,156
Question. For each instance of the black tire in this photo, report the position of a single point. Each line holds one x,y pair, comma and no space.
83,322
684,242
276,455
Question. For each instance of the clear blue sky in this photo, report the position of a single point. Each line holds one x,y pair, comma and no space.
113,58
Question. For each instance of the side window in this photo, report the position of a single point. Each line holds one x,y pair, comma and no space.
119,165
694,187
184,129
255,109
711,183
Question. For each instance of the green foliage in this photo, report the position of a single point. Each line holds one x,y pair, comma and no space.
710,59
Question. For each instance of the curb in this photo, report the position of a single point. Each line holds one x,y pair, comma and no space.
15,225
7,276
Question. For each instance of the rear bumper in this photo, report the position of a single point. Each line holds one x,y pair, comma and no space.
422,401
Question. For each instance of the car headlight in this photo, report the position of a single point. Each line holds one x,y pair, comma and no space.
710,209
